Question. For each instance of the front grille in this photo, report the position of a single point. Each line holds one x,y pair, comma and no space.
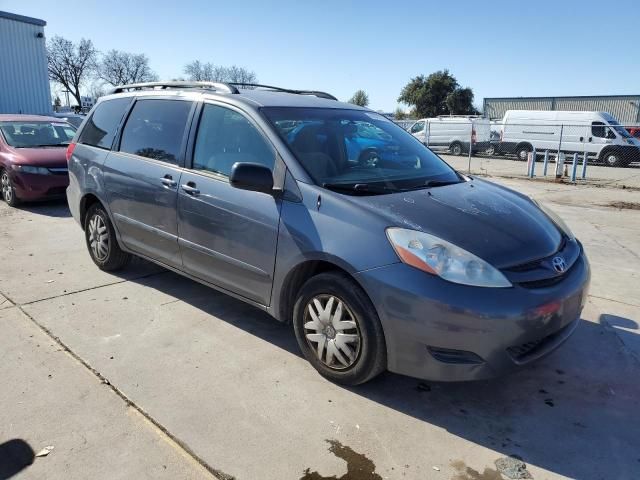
545,282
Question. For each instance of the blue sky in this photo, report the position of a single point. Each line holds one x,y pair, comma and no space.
498,48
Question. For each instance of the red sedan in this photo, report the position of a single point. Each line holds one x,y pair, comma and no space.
33,163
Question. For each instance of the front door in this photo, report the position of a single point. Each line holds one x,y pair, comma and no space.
142,177
227,236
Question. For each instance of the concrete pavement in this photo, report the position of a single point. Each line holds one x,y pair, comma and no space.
162,371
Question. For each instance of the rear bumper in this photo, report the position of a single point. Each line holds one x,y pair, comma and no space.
437,330
30,186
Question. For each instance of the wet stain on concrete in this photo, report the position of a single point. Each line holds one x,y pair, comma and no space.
359,467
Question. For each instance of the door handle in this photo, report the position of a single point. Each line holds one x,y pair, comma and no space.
168,181
582,139
190,188
590,139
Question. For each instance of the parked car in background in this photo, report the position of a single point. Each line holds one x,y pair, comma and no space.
33,165
72,118
597,133
634,131
454,133
390,261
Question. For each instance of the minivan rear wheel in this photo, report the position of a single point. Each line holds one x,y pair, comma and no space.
101,240
338,329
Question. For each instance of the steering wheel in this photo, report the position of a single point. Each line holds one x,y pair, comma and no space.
368,158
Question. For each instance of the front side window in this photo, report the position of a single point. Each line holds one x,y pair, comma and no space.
417,127
155,129
37,134
226,137
100,128
598,130
357,151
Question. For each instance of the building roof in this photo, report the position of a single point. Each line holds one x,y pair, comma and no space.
22,18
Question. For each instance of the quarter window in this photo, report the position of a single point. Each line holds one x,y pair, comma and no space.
226,137
155,129
101,126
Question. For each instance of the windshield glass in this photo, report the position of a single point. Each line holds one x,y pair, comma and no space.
617,127
358,151
37,134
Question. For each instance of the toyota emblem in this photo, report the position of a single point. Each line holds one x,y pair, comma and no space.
559,265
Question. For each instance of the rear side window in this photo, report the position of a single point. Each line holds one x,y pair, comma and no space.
101,127
155,129
226,137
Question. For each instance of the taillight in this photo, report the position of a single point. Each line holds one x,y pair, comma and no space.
473,135
70,150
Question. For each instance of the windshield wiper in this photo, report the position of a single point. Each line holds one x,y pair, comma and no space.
433,183
361,188
47,145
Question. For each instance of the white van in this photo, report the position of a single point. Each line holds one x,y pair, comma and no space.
597,133
453,133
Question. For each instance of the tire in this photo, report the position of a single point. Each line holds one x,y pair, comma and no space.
612,159
8,191
491,151
456,148
101,240
363,350
522,151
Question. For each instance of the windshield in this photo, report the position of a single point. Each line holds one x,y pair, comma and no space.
618,128
37,134
358,151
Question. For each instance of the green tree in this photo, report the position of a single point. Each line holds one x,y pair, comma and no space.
437,94
400,114
360,98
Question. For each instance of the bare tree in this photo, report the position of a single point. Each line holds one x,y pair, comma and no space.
208,72
70,65
121,68
97,90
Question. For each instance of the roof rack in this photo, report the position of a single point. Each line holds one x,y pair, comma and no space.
315,93
216,86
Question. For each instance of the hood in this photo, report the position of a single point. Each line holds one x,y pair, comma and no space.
498,225
41,157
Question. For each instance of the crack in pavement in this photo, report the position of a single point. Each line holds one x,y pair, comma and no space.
177,442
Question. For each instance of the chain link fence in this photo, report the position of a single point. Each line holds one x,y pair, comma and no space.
595,149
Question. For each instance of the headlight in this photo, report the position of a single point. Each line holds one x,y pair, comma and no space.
31,169
553,216
439,257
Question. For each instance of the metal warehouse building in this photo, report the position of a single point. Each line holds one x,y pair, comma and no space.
626,108
24,79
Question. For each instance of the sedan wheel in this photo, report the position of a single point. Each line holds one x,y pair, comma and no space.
8,192
332,331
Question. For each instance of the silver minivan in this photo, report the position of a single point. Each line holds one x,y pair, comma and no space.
331,218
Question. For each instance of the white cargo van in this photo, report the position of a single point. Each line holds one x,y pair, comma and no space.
453,133
597,133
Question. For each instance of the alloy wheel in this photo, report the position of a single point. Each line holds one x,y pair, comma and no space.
98,237
7,190
332,331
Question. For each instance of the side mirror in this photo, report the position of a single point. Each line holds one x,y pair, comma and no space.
610,134
251,176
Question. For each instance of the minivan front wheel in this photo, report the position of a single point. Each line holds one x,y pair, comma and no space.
101,240
338,330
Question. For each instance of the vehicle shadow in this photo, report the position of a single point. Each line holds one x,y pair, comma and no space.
573,413
51,208
15,456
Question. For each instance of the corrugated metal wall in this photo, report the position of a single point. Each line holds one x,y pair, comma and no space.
24,80
626,108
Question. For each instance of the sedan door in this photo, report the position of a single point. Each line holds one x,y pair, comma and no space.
142,177
227,236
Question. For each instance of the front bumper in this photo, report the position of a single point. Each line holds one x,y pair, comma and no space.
29,186
437,330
